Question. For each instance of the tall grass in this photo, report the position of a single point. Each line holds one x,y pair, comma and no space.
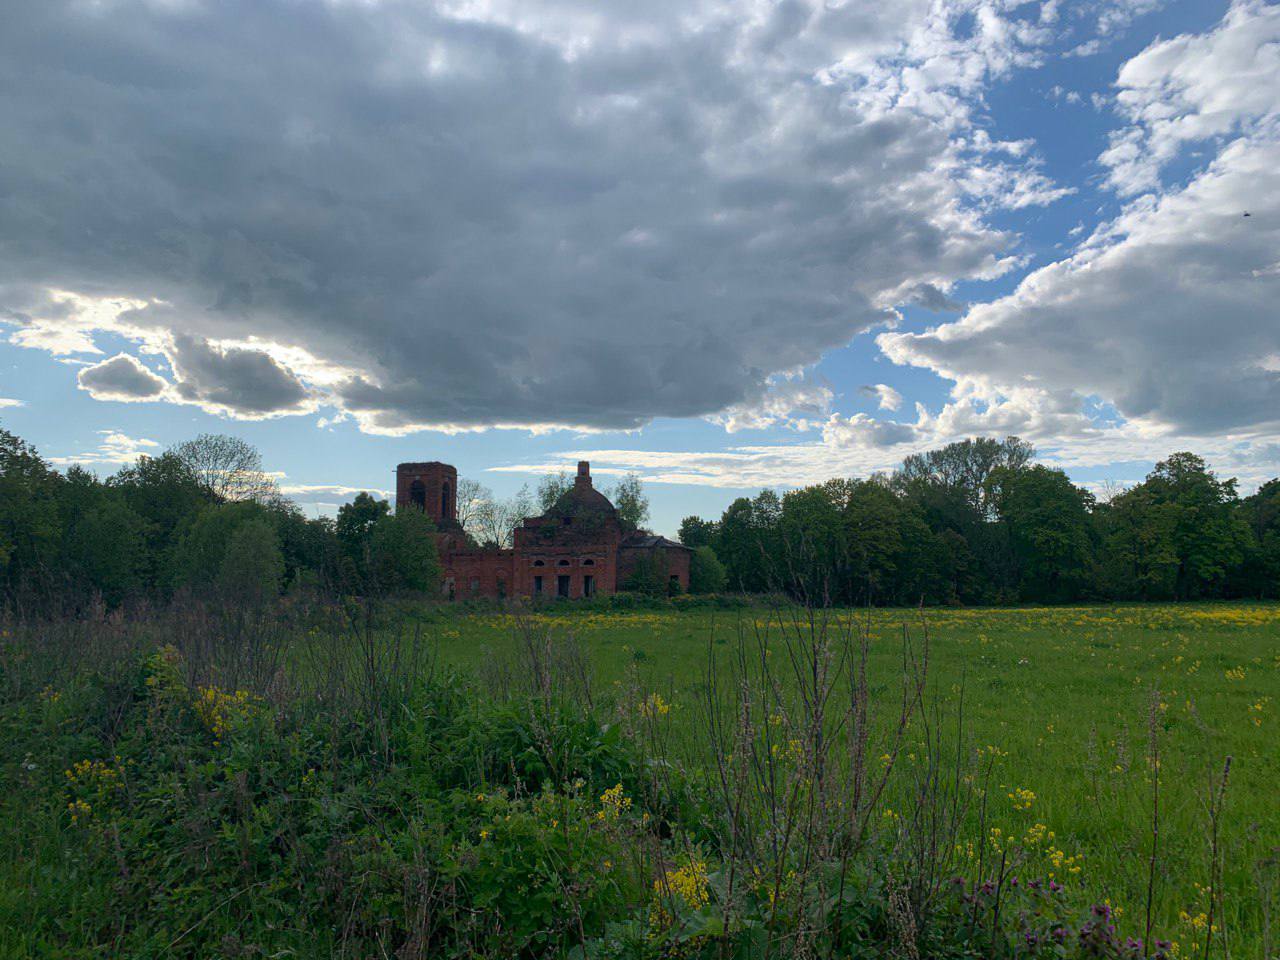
312,780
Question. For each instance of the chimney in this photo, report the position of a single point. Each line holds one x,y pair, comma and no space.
584,474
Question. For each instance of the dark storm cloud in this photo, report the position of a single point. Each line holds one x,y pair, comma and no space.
546,213
248,383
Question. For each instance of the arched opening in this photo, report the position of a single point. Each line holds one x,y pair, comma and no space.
418,494
444,500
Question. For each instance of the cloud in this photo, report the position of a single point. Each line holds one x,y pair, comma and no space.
1167,313
9,402
885,396
115,449
322,494
790,401
465,215
247,383
123,378
858,447
1192,88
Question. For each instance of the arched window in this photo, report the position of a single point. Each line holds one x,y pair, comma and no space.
538,563
444,500
588,563
418,494
563,563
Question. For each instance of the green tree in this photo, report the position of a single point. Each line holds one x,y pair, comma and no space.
29,522
309,547
1140,559
813,559
201,550
629,499
1209,536
402,554
551,488
696,532
748,543
355,529
226,468
1260,573
706,572
166,495
966,468
103,539
1047,521
252,568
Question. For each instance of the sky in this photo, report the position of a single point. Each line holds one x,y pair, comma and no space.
726,245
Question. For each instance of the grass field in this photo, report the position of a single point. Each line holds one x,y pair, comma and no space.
354,799
1063,698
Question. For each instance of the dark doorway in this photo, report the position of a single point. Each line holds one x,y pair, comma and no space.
537,586
562,585
418,494
588,586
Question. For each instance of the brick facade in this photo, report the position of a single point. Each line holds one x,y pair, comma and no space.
576,549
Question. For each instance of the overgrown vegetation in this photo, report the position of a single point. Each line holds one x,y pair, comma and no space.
313,782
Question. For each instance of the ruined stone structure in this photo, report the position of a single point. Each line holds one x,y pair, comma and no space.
576,549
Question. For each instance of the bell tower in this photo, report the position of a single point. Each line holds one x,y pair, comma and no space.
431,487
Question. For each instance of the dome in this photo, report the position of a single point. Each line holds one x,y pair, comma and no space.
579,500
582,497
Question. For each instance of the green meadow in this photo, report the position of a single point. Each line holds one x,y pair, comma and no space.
443,781
1062,698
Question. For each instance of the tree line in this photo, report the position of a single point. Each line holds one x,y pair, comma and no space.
980,522
975,522
203,517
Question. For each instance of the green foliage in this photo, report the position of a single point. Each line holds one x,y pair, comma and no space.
1260,576
384,552
1051,540
252,565
630,501
201,553
706,572
649,576
696,532
972,523
1177,535
104,541
28,513
551,488
402,553
977,522
210,824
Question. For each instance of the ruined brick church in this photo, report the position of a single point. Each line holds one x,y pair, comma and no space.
576,549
